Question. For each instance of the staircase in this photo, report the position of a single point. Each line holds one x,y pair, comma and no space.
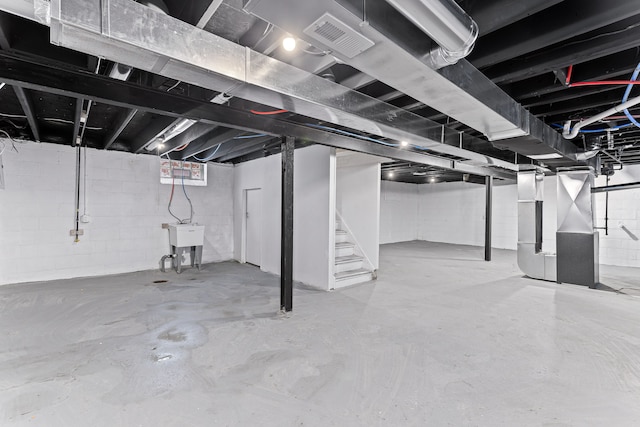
350,268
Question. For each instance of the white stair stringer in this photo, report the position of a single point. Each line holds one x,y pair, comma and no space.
351,267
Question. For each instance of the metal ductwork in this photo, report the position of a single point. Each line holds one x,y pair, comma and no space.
129,33
374,38
531,260
446,23
577,258
122,71
577,242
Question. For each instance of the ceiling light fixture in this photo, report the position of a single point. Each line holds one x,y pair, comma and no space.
289,43
390,174
432,179
155,144
404,144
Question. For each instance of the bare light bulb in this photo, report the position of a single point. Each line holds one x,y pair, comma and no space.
390,174
404,143
289,43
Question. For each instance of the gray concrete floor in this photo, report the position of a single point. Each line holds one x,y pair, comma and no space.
441,339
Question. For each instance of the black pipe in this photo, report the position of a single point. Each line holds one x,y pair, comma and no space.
286,238
488,180
627,186
606,211
78,161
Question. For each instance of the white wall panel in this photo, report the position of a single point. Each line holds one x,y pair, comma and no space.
313,217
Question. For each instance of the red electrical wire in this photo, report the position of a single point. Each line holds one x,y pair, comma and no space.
182,148
268,113
606,82
569,72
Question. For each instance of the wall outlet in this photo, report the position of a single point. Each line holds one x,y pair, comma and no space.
73,232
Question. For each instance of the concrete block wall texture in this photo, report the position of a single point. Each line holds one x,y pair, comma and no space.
125,202
622,245
454,213
398,212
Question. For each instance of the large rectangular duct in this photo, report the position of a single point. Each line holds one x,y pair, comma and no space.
531,260
129,33
576,240
401,57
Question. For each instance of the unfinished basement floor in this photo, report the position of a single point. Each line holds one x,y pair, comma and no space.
441,338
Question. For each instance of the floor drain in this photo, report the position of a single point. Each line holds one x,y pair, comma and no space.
160,281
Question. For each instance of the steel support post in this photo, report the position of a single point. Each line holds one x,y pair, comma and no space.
286,241
488,181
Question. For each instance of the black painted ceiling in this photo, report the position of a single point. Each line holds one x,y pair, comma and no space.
528,48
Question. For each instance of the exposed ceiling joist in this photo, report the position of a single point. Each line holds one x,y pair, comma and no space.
549,27
613,38
119,125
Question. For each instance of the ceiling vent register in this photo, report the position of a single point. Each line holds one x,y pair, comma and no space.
338,36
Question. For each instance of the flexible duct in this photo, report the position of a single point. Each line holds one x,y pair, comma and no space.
446,23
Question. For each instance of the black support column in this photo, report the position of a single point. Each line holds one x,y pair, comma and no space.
488,181
286,241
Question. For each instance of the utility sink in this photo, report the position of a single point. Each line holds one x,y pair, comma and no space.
184,235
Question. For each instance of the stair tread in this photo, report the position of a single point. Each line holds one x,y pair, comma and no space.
348,258
341,232
352,273
344,245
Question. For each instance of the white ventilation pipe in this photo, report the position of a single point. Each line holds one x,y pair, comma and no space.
446,23
569,133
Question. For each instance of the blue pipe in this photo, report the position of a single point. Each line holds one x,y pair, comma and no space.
627,92
211,156
559,126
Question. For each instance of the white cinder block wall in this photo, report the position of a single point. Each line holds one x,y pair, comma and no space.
622,245
451,212
126,204
398,212
454,213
